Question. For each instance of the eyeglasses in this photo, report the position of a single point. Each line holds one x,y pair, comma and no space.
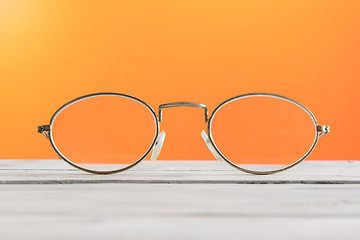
258,133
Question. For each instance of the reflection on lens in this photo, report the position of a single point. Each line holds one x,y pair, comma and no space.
104,132
262,133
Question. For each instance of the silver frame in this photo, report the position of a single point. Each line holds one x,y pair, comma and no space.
320,130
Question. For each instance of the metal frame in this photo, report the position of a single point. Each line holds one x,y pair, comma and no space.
184,104
47,131
320,130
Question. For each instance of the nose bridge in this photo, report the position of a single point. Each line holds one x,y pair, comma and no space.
184,104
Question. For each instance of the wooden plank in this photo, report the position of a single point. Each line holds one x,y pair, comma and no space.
212,172
180,211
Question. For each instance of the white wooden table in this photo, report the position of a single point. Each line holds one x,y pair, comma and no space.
179,200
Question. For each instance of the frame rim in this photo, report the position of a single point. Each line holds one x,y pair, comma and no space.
264,94
64,106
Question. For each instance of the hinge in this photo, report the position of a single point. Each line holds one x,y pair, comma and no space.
323,128
43,128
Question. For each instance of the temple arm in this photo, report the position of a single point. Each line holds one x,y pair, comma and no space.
44,130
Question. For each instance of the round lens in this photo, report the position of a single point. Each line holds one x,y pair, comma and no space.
104,132
263,132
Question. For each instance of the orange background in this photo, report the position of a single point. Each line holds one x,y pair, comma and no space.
165,51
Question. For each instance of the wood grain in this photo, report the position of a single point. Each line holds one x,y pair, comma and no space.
179,200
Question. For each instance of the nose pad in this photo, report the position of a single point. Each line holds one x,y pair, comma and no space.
210,146
157,147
